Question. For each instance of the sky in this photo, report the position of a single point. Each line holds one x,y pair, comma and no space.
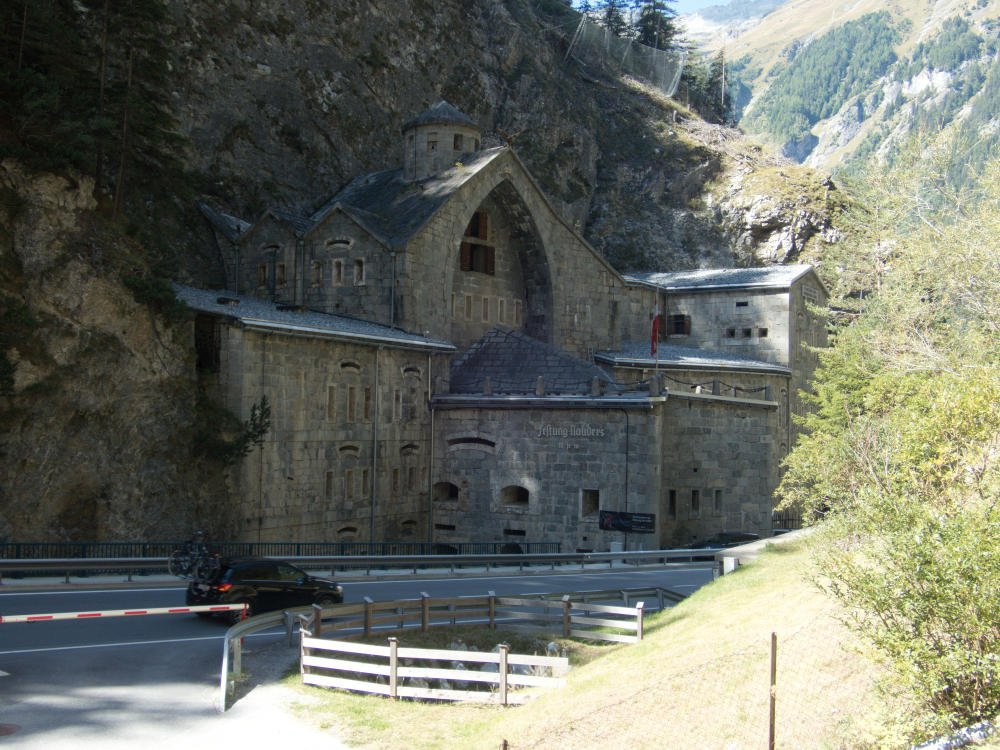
682,7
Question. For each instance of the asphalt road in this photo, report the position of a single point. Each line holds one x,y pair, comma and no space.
147,681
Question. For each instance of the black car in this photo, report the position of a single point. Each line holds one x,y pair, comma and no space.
264,586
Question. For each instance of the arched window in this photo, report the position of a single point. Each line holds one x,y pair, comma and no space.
445,492
515,496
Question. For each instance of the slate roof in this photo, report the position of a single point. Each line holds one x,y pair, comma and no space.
394,210
263,315
513,361
767,277
230,226
441,113
685,358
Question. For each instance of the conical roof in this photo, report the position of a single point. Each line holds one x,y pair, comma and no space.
441,113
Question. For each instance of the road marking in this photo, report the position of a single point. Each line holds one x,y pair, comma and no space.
56,592
136,643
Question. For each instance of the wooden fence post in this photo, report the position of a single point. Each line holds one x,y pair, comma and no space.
774,675
640,608
493,610
504,648
425,612
317,621
369,604
565,617
393,668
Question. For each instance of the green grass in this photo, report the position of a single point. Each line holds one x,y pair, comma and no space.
700,678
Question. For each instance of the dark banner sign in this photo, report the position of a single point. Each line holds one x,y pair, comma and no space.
637,523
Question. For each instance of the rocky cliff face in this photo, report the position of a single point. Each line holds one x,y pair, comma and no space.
282,104
97,432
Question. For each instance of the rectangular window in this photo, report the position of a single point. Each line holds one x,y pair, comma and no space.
397,405
349,484
432,143
352,405
672,504
486,309
695,503
317,273
501,304
730,333
338,272
331,402
368,404
280,277
359,272
679,325
366,479
762,333
395,480
747,332
718,502
742,304
329,485
458,142
262,274
454,310
590,502
411,479
468,307
517,312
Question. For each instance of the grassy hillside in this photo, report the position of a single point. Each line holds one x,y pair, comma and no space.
700,679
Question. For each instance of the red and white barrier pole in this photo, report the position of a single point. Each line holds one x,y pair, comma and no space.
124,613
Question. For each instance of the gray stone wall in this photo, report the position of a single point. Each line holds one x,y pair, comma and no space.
349,445
572,298
570,464
748,324
720,467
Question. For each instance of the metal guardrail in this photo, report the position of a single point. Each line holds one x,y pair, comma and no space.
369,563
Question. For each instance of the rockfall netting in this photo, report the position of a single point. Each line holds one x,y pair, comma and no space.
594,46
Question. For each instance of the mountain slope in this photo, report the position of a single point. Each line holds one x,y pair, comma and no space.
930,67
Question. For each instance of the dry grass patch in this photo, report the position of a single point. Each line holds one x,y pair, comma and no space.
700,679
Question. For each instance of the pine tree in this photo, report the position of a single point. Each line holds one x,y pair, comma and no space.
612,18
654,26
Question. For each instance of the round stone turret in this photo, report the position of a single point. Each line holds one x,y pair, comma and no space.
434,140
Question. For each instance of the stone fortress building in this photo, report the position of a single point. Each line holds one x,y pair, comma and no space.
447,360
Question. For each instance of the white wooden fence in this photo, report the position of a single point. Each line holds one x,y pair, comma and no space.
326,662
566,617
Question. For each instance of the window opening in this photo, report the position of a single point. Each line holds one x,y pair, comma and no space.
445,491
329,485
747,332
338,272
515,496
501,318
368,404
672,503
590,501
366,479
317,273
679,325
359,272
262,274
280,274
352,407
742,304
695,503
457,145
486,309
762,333
349,484
718,502
331,402
432,144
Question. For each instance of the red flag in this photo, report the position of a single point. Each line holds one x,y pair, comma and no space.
655,335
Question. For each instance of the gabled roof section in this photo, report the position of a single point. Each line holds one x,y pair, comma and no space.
230,226
721,279
669,356
258,314
441,113
394,210
513,362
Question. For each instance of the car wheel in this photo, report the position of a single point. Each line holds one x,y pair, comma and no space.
236,615
326,601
